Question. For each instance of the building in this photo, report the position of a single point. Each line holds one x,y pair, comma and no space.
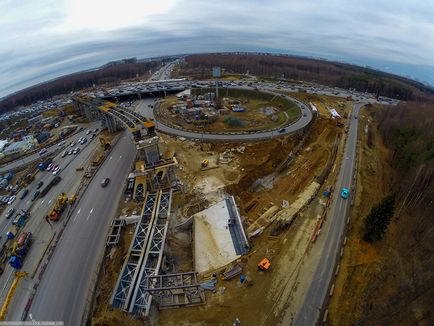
22,146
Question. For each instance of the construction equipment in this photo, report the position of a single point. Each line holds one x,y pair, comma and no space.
9,296
105,143
264,264
72,199
205,163
20,249
58,207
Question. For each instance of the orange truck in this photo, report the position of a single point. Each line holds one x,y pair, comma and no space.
58,207
264,264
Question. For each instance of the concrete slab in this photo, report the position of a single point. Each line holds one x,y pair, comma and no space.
213,245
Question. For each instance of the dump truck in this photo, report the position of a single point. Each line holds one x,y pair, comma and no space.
58,207
19,250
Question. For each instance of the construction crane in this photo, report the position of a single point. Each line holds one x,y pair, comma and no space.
9,296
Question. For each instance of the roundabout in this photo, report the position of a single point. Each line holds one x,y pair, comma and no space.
300,122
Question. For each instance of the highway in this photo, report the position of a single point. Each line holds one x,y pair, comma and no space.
309,312
44,176
36,223
63,292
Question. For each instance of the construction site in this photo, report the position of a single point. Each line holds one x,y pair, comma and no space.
218,230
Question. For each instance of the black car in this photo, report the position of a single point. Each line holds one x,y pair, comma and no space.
105,182
40,184
9,213
24,193
35,195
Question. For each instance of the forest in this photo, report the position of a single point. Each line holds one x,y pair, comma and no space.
305,69
108,74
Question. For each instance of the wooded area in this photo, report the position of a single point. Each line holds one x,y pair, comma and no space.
107,75
304,69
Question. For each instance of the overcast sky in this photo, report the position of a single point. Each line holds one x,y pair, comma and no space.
43,39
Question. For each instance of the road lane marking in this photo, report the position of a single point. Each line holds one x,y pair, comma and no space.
42,201
120,157
50,201
89,214
79,211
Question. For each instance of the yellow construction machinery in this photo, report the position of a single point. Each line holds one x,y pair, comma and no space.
204,163
105,143
72,199
9,296
58,207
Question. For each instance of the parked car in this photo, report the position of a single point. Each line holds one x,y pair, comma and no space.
50,166
105,182
24,193
88,132
72,144
64,153
56,170
40,184
35,195
76,151
9,213
92,136
42,151
11,199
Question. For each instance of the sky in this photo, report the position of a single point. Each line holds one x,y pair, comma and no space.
44,39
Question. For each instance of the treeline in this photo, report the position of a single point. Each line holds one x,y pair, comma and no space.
408,130
304,69
106,75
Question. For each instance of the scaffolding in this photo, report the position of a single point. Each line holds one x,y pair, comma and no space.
175,290
130,269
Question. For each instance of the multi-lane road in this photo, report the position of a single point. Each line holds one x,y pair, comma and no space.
63,292
333,232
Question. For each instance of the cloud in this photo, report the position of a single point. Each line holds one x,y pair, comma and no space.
44,39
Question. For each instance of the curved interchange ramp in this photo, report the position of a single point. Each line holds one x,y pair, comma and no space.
113,116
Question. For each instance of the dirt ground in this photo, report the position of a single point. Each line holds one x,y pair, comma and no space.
267,294
253,119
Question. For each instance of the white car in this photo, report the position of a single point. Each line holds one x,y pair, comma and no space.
11,199
88,132
50,166
42,151
56,170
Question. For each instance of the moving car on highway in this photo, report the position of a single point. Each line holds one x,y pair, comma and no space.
56,170
345,193
50,166
35,195
9,213
105,182
24,193
11,199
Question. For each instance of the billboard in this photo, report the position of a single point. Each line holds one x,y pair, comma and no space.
216,72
